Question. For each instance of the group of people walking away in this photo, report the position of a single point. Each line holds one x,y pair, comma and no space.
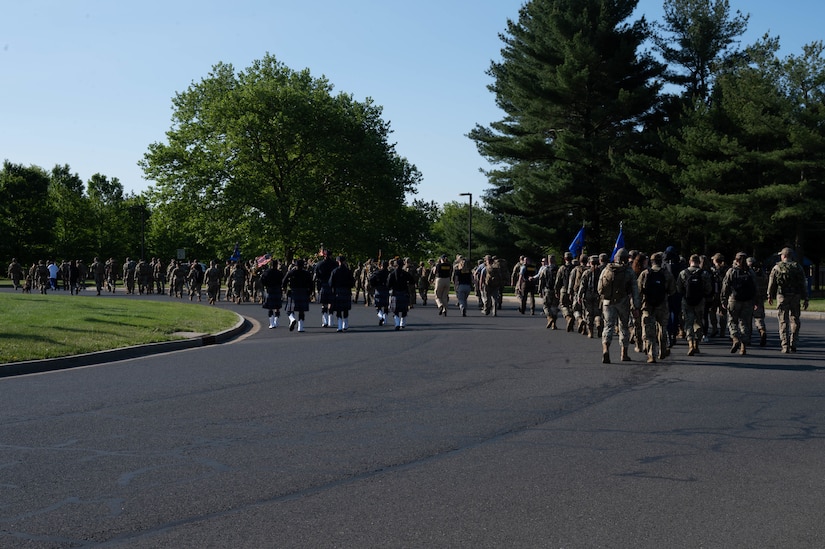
653,301
647,301
332,282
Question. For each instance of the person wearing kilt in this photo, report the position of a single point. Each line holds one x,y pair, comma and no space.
378,283
341,283
297,283
398,282
323,270
272,278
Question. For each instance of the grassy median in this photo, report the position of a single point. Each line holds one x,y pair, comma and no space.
36,326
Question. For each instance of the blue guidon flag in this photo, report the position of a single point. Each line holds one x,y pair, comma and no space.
236,254
577,245
619,243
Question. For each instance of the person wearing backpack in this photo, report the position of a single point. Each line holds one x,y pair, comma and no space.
716,311
617,288
675,263
588,297
491,282
656,285
547,281
788,286
759,301
694,285
737,294
561,288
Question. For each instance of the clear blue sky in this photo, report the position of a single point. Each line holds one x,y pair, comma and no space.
89,82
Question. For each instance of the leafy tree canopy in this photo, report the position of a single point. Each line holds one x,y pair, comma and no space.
271,158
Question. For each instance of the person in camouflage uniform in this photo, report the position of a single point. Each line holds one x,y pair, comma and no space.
547,282
694,284
159,274
227,276
194,278
111,274
526,284
423,281
366,274
619,291
129,267
759,301
212,280
718,314
789,288
176,279
98,269
562,288
42,276
738,292
656,285
238,277
589,299
492,284
15,273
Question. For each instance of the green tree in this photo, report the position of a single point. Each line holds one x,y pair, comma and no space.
116,229
26,213
490,234
575,88
698,40
73,234
285,162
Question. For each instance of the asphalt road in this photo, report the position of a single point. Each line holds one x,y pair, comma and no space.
456,432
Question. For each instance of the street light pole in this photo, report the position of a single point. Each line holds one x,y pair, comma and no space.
469,226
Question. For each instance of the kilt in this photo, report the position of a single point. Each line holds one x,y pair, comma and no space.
274,299
341,299
298,300
382,296
325,294
400,302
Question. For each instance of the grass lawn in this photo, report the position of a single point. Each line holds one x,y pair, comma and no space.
36,326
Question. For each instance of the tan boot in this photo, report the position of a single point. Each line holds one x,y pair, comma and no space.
625,356
651,359
691,347
605,353
735,346
742,348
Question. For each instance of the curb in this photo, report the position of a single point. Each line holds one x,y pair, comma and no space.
112,355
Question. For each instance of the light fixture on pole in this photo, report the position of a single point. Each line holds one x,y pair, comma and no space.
469,226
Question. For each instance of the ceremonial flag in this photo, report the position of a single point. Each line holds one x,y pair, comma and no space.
577,245
236,254
619,243
262,260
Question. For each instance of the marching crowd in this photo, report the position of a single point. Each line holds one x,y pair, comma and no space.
648,301
651,301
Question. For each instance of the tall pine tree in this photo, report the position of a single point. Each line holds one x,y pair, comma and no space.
574,85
